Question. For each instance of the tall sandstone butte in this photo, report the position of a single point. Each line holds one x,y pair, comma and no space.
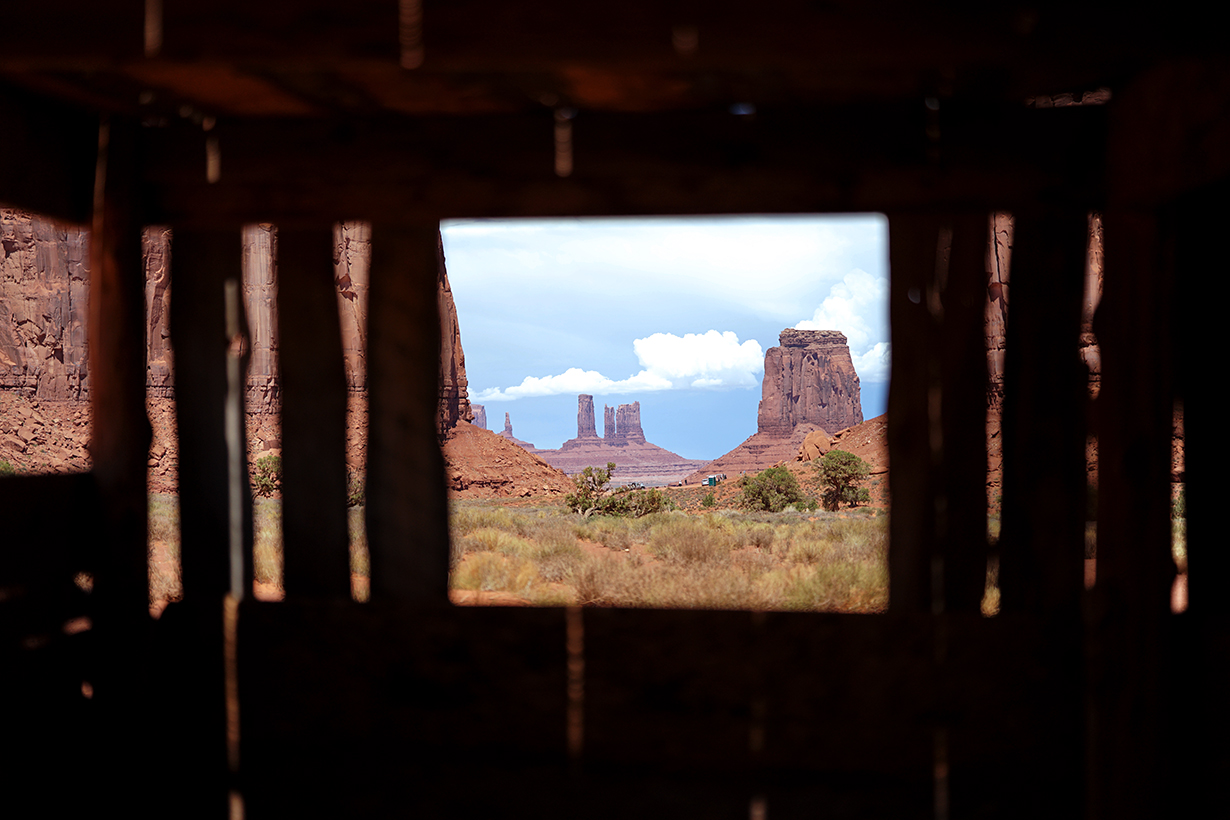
809,387
44,293
809,379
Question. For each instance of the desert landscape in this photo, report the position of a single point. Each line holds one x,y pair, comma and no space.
516,537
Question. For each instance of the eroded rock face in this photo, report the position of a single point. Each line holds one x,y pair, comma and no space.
480,416
609,433
44,282
508,434
44,287
809,379
585,418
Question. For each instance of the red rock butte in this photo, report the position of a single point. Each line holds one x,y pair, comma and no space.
623,442
809,385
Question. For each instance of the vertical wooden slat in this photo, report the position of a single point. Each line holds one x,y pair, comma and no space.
121,431
1043,422
407,508
1042,539
913,244
201,263
1134,565
963,374
314,526
119,447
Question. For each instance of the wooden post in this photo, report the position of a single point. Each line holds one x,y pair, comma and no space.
962,523
913,254
120,448
407,507
315,535
202,261
1134,565
1042,545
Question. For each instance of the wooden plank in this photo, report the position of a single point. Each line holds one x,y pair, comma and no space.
962,522
420,711
1130,675
315,532
913,254
201,263
120,439
58,145
1042,545
853,158
407,508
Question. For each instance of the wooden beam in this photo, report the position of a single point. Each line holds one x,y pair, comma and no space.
407,507
315,532
1045,395
851,158
53,147
914,254
202,261
962,518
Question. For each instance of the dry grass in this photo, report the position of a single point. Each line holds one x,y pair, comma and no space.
718,560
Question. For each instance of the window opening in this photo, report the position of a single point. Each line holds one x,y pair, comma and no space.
645,343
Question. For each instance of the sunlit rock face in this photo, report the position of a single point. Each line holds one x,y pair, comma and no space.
44,283
809,379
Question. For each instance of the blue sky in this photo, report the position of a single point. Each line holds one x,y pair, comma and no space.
675,313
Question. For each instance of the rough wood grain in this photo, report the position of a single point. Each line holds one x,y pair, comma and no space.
407,508
314,525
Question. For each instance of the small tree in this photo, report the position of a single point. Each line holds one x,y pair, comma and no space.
268,478
591,484
840,473
773,489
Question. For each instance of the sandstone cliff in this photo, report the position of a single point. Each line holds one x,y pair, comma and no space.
810,389
44,286
480,416
809,379
44,283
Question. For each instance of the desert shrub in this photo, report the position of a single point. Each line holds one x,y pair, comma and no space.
267,541
760,536
591,486
268,477
491,571
1178,507
840,473
773,489
356,489
465,520
6,469
689,542
557,561
634,503
708,500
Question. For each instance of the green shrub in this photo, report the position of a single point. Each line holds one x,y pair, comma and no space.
634,503
840,473
591,484
268,478
356,489
6,469
773,489
708,501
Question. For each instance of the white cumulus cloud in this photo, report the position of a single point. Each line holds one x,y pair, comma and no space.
708,360
858,307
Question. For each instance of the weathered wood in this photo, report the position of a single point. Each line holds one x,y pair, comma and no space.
855,158
57,146
120,438
314,524
961,521
1042,542
406,707
201,264
1135,569
407,508
914,242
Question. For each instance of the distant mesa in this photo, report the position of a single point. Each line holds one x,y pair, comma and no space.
622,441
810,387
480,416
